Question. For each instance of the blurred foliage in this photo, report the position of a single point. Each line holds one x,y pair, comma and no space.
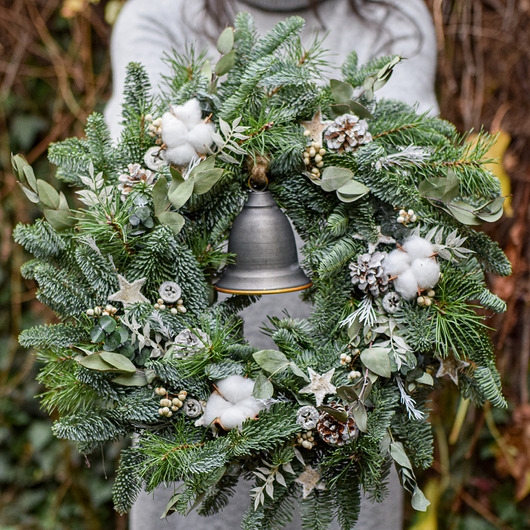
54,72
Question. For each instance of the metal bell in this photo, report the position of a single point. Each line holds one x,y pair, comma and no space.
266,258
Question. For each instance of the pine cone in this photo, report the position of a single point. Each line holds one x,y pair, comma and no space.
136,174
334,432
368,273
346,133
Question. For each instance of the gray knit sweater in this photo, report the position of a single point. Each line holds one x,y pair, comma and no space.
147,29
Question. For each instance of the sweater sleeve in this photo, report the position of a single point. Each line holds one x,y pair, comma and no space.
143,33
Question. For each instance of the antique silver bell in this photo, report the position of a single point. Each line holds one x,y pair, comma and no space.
266,258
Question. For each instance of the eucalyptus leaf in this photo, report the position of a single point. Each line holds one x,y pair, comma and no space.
334,177
425,379
181,193
225,42
107,323
339,414
271,361
97,334
341,91
297,371
225,63
263,388
360,416
31,195
419,502
160,199
463,212
95,362
118,361
136,379
397,452
347,393
340,108
30,177
174,220
207,71
377,360
206,179
59,219
359,110
352,191
48,195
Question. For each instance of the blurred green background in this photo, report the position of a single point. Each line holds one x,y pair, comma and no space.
54,71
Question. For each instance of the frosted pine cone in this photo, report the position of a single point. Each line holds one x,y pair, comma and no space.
334,432
368,273
347,133
136,174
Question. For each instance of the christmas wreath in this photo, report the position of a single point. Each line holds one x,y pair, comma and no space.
385,200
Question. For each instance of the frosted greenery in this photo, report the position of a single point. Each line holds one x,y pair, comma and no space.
112,361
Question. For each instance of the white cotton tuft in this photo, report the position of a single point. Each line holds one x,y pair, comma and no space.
232,418
235,388
174,131
251,406
417,247
181,155
396,262
215,406
189,112
406,285
426,271
200,137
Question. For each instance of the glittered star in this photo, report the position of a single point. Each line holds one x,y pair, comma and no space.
310,479
451,366
129,293
320,385
316,127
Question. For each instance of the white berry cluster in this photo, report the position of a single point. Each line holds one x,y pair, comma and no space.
407,216
167,405
98,311
174,309
354,374
313,156
306,440
413,267
426,299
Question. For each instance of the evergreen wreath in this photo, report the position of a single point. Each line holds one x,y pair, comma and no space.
385,200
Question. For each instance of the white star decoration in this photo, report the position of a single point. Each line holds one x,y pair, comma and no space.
316,127
320,385
310,479
451,366
129,293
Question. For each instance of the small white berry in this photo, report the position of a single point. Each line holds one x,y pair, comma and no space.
174,310
90,312
401,219
321,152
181,309
312,152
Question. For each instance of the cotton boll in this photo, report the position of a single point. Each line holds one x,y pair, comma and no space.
406,285
200,137
180,155
232,418
235,388
251,406
189,112
426,271
215,406
417,247
174,131
396,262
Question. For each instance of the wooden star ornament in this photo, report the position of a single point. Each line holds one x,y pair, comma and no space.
129,293
320,385
451,366
316,126
310,480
